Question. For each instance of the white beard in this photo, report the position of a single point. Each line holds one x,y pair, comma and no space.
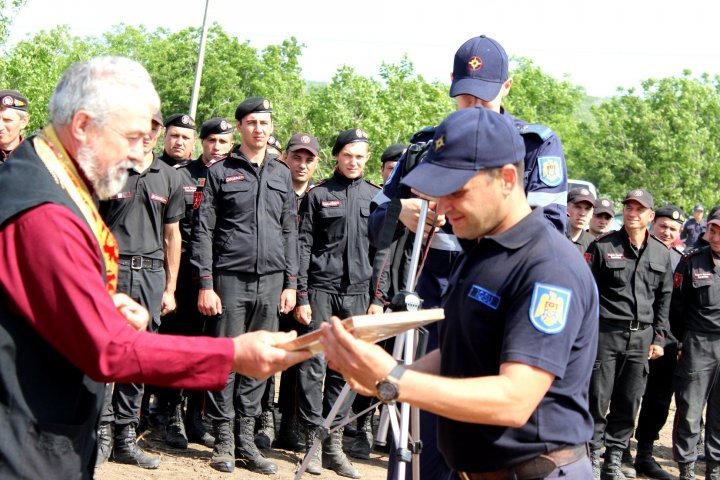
105,186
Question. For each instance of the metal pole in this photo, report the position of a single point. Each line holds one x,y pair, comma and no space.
200,63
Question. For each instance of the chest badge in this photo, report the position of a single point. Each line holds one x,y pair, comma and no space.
549,308
485,297
330,203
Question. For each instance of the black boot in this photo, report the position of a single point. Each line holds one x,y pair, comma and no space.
334,458
712,470
595,462
687,471
245,448
266,431
362,445
126,449
223,456
627,464
314,466
291,436
646,465
611,469
175,429
104,443
197,430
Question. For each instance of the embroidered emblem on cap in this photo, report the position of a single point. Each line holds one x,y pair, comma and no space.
605,203
485,297
8,100
360,133
636,193
475,63
584,192
266,104
224,125
551,173
549,308
439,143
305,139
675,215
185,120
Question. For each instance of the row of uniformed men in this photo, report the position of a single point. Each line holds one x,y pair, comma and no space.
657,306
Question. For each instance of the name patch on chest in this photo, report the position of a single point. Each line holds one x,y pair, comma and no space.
158,198
122,195
485,297
702,275
330,203
235,178
549,308
189,189
615,256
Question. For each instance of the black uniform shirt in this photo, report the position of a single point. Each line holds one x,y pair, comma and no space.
696,294
523,295
583,241
633,285
333,239
147,202
246,221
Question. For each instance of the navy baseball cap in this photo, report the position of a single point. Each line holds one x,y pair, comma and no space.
480,69
466,142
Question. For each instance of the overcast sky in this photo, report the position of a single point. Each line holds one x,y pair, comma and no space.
599,45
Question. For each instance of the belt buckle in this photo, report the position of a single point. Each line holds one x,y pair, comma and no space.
634,325
136,262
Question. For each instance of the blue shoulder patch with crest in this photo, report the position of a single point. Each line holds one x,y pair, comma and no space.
549,308
550,170
485,297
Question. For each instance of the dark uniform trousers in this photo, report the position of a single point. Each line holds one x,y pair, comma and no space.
695,383
619,375
250,303
658,397
287,398
313,405
145,286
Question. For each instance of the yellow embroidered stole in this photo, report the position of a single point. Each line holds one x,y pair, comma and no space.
53,154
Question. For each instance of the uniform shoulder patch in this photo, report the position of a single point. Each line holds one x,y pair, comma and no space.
315,185
372,184
542,131
604,235
279,160
182,164
214,161
549,308
550,170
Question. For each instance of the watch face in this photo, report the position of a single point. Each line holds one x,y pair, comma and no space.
387,391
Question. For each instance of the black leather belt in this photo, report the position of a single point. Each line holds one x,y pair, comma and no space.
632,325
137,262
533,469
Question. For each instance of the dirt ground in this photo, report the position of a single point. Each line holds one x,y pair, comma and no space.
193,463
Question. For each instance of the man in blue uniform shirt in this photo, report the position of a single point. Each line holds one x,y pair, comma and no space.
510,378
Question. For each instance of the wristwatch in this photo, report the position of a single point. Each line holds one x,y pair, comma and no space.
387,389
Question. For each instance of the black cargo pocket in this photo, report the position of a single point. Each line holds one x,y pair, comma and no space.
657,272
705,292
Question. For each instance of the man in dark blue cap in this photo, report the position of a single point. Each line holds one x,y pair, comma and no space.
694,228
510,378
244,247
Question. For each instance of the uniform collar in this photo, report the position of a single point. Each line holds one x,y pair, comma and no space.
522,232
343,180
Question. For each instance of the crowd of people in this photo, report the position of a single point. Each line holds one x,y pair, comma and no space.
164,285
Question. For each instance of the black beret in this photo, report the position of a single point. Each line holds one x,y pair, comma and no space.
351,135
13,99
215,125
180,120
252,105
671,211
392,153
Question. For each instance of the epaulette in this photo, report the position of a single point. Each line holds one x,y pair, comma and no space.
182,164
677,250
536,129
312,187
215,161
372,184
279,160
606,234
690,253
424,135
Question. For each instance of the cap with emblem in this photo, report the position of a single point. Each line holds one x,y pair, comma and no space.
699,208
466,142
577,195
604,205
182,120
13,99
216,125
480,69
392,153
672,212
303,141
714,216
352,135
641,196
253,105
